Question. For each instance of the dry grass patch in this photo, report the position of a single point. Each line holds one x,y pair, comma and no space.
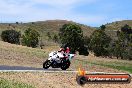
54,80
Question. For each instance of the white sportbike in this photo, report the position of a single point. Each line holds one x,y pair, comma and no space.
58,60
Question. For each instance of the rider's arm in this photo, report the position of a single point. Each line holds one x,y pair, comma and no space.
61,50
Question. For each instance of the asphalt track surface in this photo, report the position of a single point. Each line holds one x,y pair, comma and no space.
21,68
5,68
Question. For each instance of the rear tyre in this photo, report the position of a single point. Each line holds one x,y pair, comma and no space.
46,64
65,64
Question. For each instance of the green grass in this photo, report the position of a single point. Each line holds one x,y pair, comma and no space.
120,65
11,84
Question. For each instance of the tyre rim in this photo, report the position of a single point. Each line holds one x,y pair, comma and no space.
65,65
47,64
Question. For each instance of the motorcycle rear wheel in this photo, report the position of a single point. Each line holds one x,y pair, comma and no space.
65,64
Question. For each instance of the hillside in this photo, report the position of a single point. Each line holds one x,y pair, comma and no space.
43,27
111,28
118,24
53,26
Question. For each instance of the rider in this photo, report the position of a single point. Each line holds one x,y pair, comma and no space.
65,50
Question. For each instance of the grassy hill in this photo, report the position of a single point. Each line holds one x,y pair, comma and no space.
53,26
111,28
43,27
118,24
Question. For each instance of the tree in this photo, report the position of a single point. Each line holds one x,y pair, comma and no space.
30,38
86,40
99,43
102,27
126,29
11,36
55,38
117,49
49,35
123,45
72,35
17,22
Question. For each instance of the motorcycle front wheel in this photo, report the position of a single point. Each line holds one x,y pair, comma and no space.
46,64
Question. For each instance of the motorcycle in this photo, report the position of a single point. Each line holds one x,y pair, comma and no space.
58,60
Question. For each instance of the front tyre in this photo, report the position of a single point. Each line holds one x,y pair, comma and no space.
46,64
65,64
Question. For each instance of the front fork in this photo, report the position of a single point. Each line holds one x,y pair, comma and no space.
50,59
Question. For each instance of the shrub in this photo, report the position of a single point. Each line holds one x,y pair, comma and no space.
83,51
11,36
30,38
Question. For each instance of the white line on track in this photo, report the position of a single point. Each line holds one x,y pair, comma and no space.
48,71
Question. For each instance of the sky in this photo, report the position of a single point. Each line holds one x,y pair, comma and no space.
89,12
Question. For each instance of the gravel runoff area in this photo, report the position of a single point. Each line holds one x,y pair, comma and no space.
54,80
